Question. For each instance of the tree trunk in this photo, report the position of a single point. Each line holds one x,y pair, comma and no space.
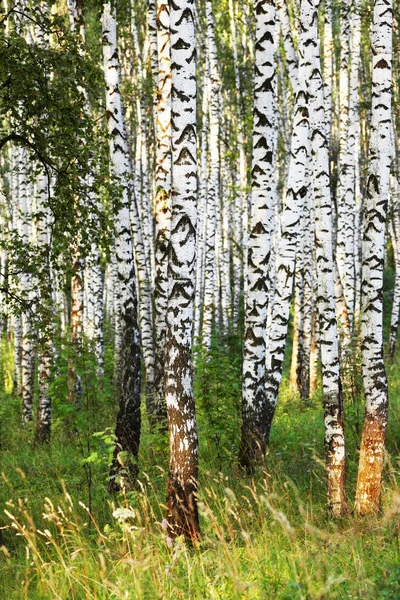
182,515
129,385
328,333
241,205
290,53
76,330
375,207
254,436
210,274
45,345
162,208
345,189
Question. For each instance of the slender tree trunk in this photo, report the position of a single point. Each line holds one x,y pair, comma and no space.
254,407
375,207
162,207
210,274
45,345
226,238
26,370
345,190
332,390
17,334
290,52
202,209
182,515
328,65
128,419
394,319
314,355
241,208
95,304
27,345
354,146
307,306
298,319
76,329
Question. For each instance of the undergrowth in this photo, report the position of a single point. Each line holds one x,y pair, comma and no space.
263,537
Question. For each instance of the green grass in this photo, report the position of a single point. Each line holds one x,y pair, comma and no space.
262,538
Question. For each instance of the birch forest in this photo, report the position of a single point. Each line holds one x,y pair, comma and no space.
199,299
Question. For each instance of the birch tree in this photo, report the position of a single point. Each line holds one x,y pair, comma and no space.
345,191
241,204
213,200
328,332
254,435
129,385
162,204
27,333
375,207
45,346
394,319
182,516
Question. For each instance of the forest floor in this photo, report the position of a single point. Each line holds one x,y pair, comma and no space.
264,537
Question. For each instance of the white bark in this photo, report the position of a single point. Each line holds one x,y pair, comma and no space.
202,209
45,345
328,65
210,274
254,434
25,284
345,191
395,314
128,419
241,205
162,204
375,207
354,148
182,514
328,332
290,52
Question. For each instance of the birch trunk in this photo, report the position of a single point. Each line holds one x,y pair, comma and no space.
128,419
27,347
345,191
162,206
45,346
226,239
254,435
328,333
241,217
314,350
290,52
93,279
394,319
16,319
210,274
328,64
375,206
202,210
298,318
76,329
182,515
354,146
308,301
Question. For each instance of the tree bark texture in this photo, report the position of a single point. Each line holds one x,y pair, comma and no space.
182,515
129,385
374,218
